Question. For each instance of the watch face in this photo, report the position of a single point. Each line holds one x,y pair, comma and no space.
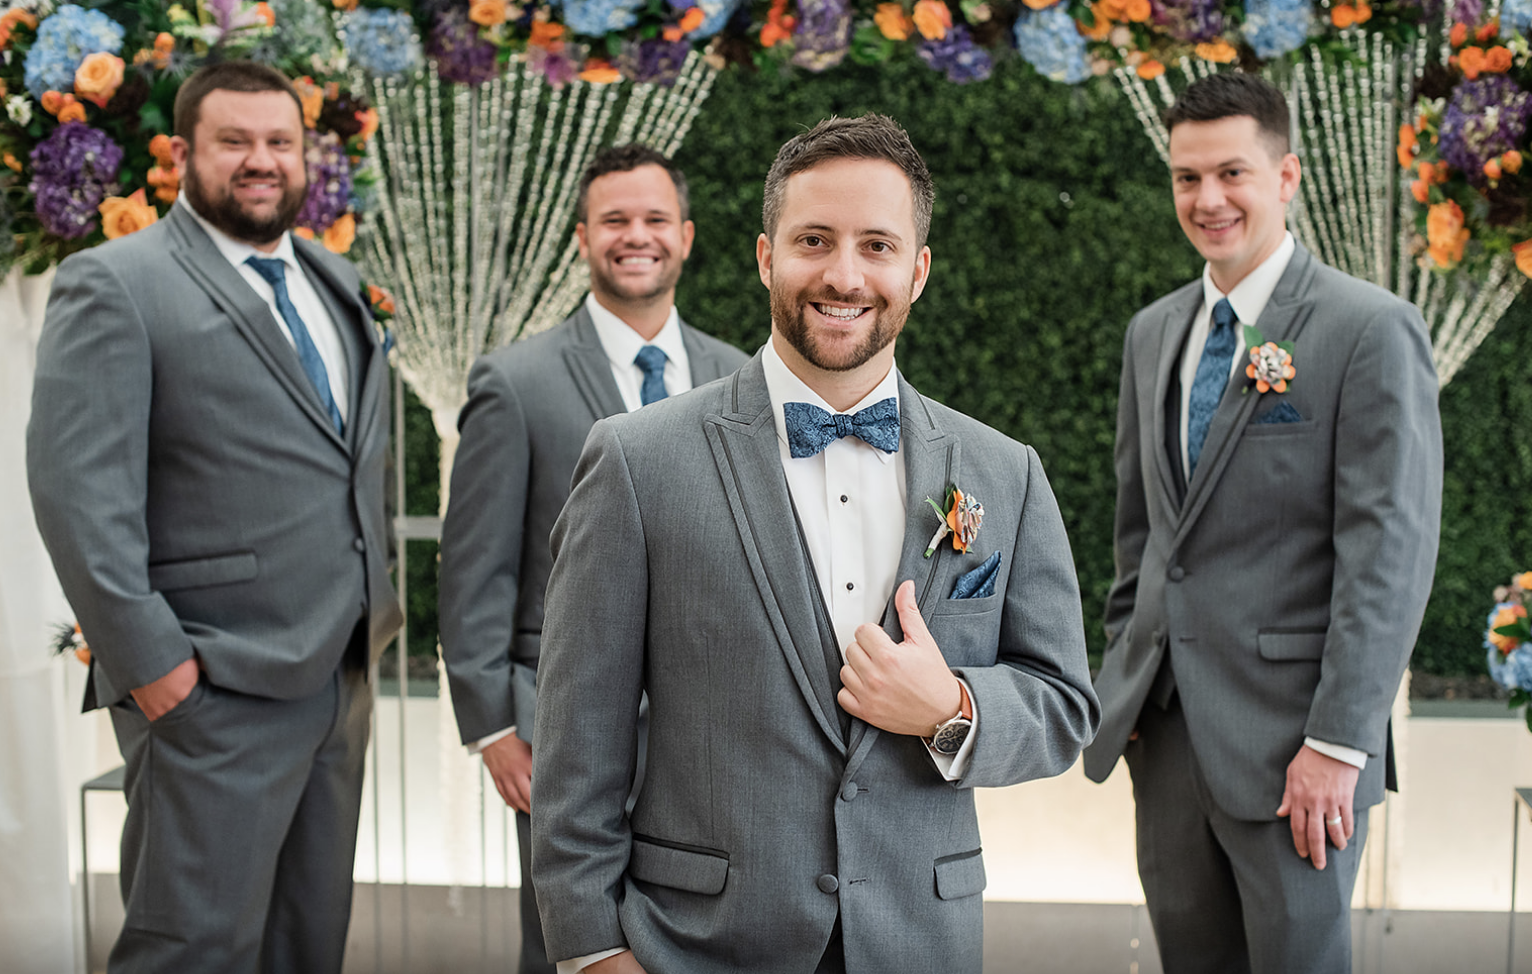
950,736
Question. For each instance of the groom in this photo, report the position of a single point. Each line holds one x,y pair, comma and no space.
824,691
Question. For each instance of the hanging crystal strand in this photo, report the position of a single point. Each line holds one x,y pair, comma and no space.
1300,212
706,76
1386,123
638,100
1138,96
1354,162
1323,243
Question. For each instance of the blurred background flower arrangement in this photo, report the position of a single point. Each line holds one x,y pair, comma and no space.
1508,641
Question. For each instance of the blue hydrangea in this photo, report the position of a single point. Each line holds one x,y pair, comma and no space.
1274,27
1515,18
718,12
1048,40
380,42
597,18
63,41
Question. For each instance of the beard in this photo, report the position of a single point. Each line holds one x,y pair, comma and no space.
788,313
229,215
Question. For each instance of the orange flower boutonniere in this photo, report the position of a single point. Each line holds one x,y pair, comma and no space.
961,519
1271,363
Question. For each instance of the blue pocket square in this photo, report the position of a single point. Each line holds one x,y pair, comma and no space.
980,582
1283,412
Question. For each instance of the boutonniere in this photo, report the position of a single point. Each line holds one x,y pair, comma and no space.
381,303
1271,363
961,518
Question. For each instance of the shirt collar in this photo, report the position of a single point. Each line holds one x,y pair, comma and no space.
783,387
622,343
235,252
1249,296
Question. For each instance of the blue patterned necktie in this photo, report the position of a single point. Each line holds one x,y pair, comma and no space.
811,429
651,361
1211,380
275,273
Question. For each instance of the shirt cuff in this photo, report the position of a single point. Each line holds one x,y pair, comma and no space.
576,964
952,766
1340,752
477,747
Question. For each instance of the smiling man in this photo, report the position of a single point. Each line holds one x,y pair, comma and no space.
529,409
815,735
205,457
1277,515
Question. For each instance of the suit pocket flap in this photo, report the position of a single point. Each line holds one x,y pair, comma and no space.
960,875
1291,645
684,869
203,572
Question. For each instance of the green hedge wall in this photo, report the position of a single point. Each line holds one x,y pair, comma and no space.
1053,224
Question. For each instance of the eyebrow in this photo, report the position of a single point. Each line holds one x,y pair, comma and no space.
824,229
1236,161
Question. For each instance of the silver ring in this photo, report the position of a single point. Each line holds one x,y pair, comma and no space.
1334,821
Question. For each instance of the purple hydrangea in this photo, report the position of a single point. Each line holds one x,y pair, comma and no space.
72,171
823,37
957,56
329,174
653,61
1484,119
1191,21
461,55
1467,11
557,66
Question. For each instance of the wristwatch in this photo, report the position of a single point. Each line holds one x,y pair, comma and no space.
950,735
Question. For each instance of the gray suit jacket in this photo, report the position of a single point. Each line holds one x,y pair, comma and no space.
766,810
190,488
1286,582
530,406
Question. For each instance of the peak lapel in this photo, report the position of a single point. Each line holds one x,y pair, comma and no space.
203,262
744,445
591,369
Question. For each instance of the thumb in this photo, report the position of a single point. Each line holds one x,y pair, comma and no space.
914,626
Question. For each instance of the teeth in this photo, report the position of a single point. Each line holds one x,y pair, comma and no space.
843,314
636,260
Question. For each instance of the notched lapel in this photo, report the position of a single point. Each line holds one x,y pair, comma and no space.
1177,324
744,445
591,370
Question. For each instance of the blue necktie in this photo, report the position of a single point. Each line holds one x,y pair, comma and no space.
1211,380
275,273
651,361
811,429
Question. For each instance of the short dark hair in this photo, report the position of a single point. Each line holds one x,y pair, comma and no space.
226,76
1231,94
871,136
626,158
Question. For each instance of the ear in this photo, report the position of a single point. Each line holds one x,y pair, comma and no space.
763,259
1291,174
585,246
180,151
688,234
922,272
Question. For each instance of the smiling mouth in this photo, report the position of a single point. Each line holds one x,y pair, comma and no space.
839,314
637,260
1219,226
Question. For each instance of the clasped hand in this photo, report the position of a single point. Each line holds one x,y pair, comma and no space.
903,688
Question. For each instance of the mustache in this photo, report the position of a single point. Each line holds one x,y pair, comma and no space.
854,297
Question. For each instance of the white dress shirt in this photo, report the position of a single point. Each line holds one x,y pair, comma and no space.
1248,298
311,308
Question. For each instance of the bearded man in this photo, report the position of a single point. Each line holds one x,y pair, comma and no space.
205,457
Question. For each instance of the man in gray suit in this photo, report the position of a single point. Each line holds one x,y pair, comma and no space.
530,406
206,462
807,803
1278,502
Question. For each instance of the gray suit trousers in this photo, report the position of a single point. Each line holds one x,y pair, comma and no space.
240,837
1228,896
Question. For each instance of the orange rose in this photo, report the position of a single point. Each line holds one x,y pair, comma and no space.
933,19
303,232
599,72
369,120
1101,28
487,13
1523,252
1489,30
1219,52
73,111
52,102
11,162
1114,9
1498,60
893,23
1492,169
1409,145
1036,4
8,24
1363,12
1522,581
779,25
166,181
1150,69
380,299
692,19
1459,35
341,234
1343,15
1421,190
1446,234
267,14
547,35
159,148
1138,11
122,215
1511,162
98,77
344,5
311,98
673,32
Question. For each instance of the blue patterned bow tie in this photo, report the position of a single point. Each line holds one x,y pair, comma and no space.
811,429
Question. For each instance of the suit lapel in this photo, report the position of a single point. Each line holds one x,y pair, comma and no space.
1177,323
590,369
705,364
744,445
1283,319
351,319
202,261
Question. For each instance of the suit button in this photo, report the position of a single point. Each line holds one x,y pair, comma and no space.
827,883
849,792
1177,573
358,545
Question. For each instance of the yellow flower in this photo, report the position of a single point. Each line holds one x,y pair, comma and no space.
893,22
122,215
339,236
932,19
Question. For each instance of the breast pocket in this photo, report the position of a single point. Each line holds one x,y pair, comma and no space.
967,630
